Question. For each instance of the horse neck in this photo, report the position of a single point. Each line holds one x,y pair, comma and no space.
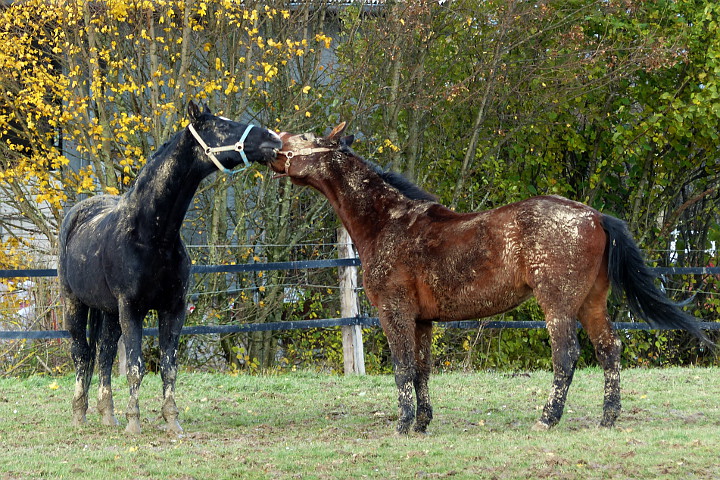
156,205
361,199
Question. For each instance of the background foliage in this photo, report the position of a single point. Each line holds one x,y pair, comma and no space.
614,104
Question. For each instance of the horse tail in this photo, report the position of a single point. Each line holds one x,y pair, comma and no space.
628,273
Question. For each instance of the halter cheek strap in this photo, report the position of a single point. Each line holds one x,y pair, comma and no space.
211,151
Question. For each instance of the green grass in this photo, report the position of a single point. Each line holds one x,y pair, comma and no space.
314,426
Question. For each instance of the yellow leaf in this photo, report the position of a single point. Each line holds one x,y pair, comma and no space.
53,386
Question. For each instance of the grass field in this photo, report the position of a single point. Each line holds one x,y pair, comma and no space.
315,426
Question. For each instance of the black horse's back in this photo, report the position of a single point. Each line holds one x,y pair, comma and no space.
628,273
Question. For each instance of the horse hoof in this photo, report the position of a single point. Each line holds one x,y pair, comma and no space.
109,421
172,426
420,429
79,419
606,424
133,426
540,427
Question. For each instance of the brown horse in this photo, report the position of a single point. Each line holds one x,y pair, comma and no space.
424,262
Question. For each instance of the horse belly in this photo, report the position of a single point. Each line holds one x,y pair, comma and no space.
84,276
485,294
482,299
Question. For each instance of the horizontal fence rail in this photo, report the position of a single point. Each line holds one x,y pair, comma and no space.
365,322
328,322
243,267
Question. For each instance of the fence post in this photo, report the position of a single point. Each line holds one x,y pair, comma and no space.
353,352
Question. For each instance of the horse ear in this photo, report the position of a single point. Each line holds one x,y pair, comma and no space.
347,140
193,111
206,109
337,131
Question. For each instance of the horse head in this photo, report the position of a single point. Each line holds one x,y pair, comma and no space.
228,143
301,153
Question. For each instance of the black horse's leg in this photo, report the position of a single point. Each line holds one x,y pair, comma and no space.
423,359
565,353
593,316
83,355
108,344
399,330
170,326
131,324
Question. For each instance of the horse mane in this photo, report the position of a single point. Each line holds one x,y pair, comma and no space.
172,141
394,179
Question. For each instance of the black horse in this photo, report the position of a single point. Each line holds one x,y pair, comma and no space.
121,256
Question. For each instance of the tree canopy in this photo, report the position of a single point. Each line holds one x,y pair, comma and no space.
612,103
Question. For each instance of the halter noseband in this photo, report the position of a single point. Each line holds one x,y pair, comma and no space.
211,151
302,152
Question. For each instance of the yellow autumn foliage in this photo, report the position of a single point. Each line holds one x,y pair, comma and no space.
88,90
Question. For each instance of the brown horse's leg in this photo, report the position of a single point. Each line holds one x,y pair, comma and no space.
108,342
594,319
399,330
423,360
565,353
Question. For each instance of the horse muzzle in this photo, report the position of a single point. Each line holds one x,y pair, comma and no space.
270,148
